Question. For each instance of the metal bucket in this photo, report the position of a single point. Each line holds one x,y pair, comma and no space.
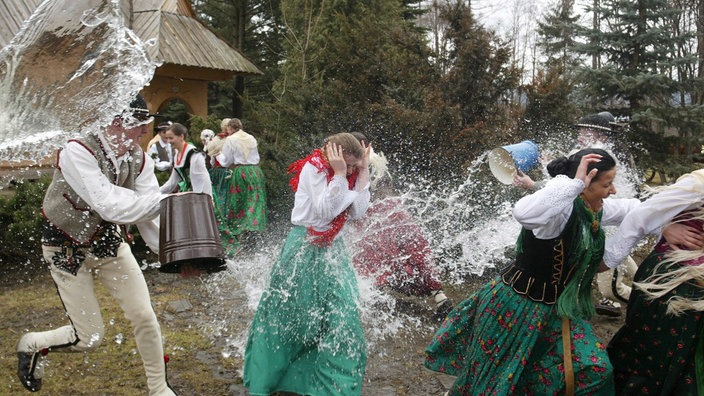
503,161
188,234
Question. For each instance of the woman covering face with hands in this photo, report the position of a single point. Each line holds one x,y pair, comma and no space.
306,336
344,164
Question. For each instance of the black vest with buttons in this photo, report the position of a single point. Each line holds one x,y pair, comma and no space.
541,271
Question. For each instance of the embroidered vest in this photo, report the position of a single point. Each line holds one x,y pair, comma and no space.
541,271
162,153
72,220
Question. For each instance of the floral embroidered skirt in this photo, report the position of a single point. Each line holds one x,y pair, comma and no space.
306,336
240,201
654,352
220,178
499,343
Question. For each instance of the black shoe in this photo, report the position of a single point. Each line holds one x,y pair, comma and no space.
606,307
442,310
166,360
28,371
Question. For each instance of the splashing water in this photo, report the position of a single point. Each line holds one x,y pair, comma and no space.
245,281
72,66
470,229
96,65
467,236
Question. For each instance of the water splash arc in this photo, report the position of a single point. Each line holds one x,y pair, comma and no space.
71,67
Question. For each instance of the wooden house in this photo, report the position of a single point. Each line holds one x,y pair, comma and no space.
190,54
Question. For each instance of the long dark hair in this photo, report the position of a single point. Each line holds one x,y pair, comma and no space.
568,166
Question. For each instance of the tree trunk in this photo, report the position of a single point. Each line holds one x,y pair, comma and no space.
595,25
238,81
699,95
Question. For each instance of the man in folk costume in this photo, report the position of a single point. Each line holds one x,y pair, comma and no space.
102,183
160,150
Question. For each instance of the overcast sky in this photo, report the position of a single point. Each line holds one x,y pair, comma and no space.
517,19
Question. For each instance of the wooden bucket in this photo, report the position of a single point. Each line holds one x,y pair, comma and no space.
188,234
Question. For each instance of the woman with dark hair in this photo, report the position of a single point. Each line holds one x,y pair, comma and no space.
526,331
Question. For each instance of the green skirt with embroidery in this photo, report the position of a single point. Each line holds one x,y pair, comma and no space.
306,336
240,202
498,342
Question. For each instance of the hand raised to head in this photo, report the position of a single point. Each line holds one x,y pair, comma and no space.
679,235
584,165
366,157
335,159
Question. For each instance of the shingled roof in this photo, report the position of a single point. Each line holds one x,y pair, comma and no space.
181,38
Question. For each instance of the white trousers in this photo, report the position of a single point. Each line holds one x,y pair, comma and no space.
613,289
125,282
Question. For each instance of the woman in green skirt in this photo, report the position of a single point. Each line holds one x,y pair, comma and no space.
244,209
525,333
660,348
219,178
306,336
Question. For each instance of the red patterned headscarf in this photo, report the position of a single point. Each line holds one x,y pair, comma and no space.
318,160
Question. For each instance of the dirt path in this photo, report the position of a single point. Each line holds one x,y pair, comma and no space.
395,363
203,334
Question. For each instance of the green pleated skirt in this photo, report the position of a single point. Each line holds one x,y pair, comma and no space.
498,342
219,178
306,336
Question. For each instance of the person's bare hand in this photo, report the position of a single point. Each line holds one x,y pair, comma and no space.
335,158
584,165
522,180
366,158
679,235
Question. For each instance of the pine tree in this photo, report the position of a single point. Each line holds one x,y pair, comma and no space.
556,34
253,27
549,104
642,68
481,76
